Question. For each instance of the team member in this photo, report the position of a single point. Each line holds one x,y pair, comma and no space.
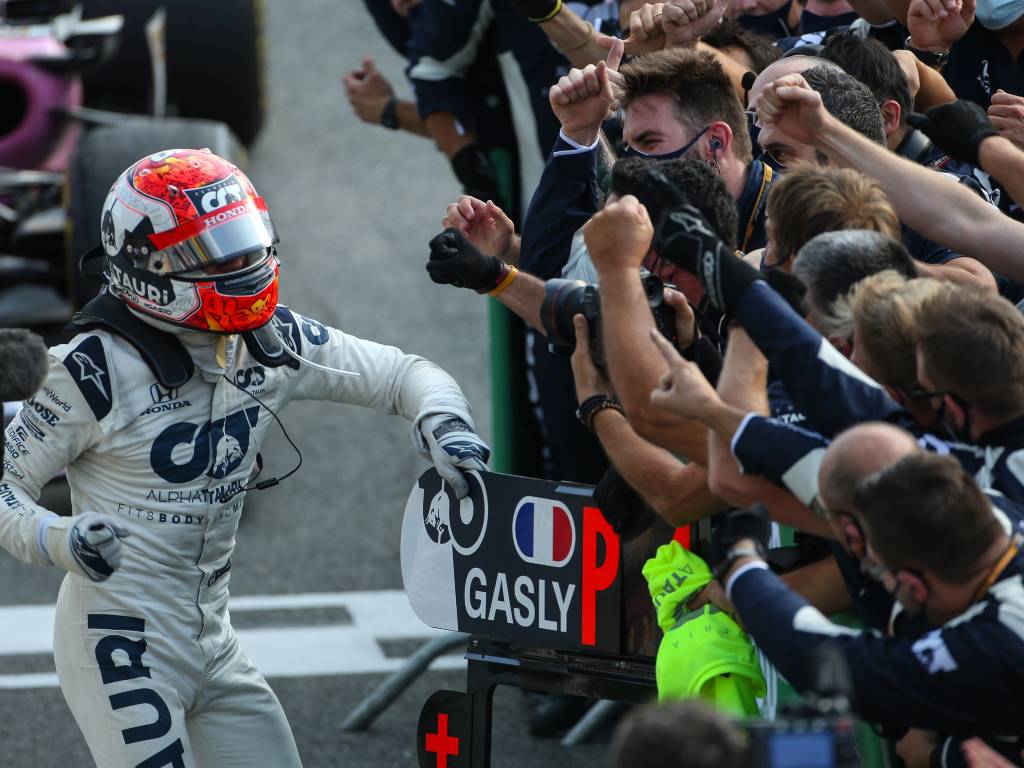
157,409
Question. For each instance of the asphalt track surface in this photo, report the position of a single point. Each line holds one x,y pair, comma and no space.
355,206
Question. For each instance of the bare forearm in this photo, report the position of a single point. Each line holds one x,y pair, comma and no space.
409,119
742,383
444,129
873,11
636,366
574,37
964,271
511,256
821,585
677,492
938,208
524,296
934,89
1001,158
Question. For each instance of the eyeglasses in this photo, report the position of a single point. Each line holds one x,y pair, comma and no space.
921,393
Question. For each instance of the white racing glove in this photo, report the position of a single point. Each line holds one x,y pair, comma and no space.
88,544
454,446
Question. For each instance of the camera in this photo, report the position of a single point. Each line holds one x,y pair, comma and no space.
563,299
816,732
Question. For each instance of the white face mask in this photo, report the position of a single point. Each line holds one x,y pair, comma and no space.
998,14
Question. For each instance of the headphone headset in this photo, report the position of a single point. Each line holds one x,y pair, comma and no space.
715,144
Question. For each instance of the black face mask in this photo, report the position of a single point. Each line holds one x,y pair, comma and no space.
773,25
812,22
676,153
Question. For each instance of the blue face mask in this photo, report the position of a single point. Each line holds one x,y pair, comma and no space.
813,22
998,14
630,152
773,25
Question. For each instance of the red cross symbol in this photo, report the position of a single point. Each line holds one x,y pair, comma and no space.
441,744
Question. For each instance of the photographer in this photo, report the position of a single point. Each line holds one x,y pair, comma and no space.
454,260
963,678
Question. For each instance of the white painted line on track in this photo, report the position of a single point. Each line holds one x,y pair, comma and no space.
293,651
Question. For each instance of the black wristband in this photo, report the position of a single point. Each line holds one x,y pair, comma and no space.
389,117
540,10
594,404
933,59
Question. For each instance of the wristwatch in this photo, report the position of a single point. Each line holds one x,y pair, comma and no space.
933,59
389,117
733,554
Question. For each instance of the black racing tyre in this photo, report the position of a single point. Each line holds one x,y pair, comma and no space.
100,157
216,64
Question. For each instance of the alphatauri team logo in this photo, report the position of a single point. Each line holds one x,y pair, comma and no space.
186,451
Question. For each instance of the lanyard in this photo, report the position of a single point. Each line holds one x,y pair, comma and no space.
997,569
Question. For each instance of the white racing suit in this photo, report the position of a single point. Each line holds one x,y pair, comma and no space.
148,661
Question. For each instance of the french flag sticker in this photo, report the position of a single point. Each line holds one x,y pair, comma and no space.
543,531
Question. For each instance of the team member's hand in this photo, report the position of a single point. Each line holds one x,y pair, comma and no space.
978,754
684,21
582,99
935,25
646,32
795,108
587,376
683,389
714,594
455,447
619,235
88,544
916,747
484,224
368,91
958,128
908,63
456,261
750,527
685,327
1007,115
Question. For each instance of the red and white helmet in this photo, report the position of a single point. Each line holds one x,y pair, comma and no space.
189,242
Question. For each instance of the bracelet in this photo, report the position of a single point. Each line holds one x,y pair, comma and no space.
506,281
591,35
389,115
933,59
593,405
549,16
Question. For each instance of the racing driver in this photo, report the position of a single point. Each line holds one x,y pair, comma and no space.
157,408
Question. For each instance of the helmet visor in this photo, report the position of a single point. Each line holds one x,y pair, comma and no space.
223,235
